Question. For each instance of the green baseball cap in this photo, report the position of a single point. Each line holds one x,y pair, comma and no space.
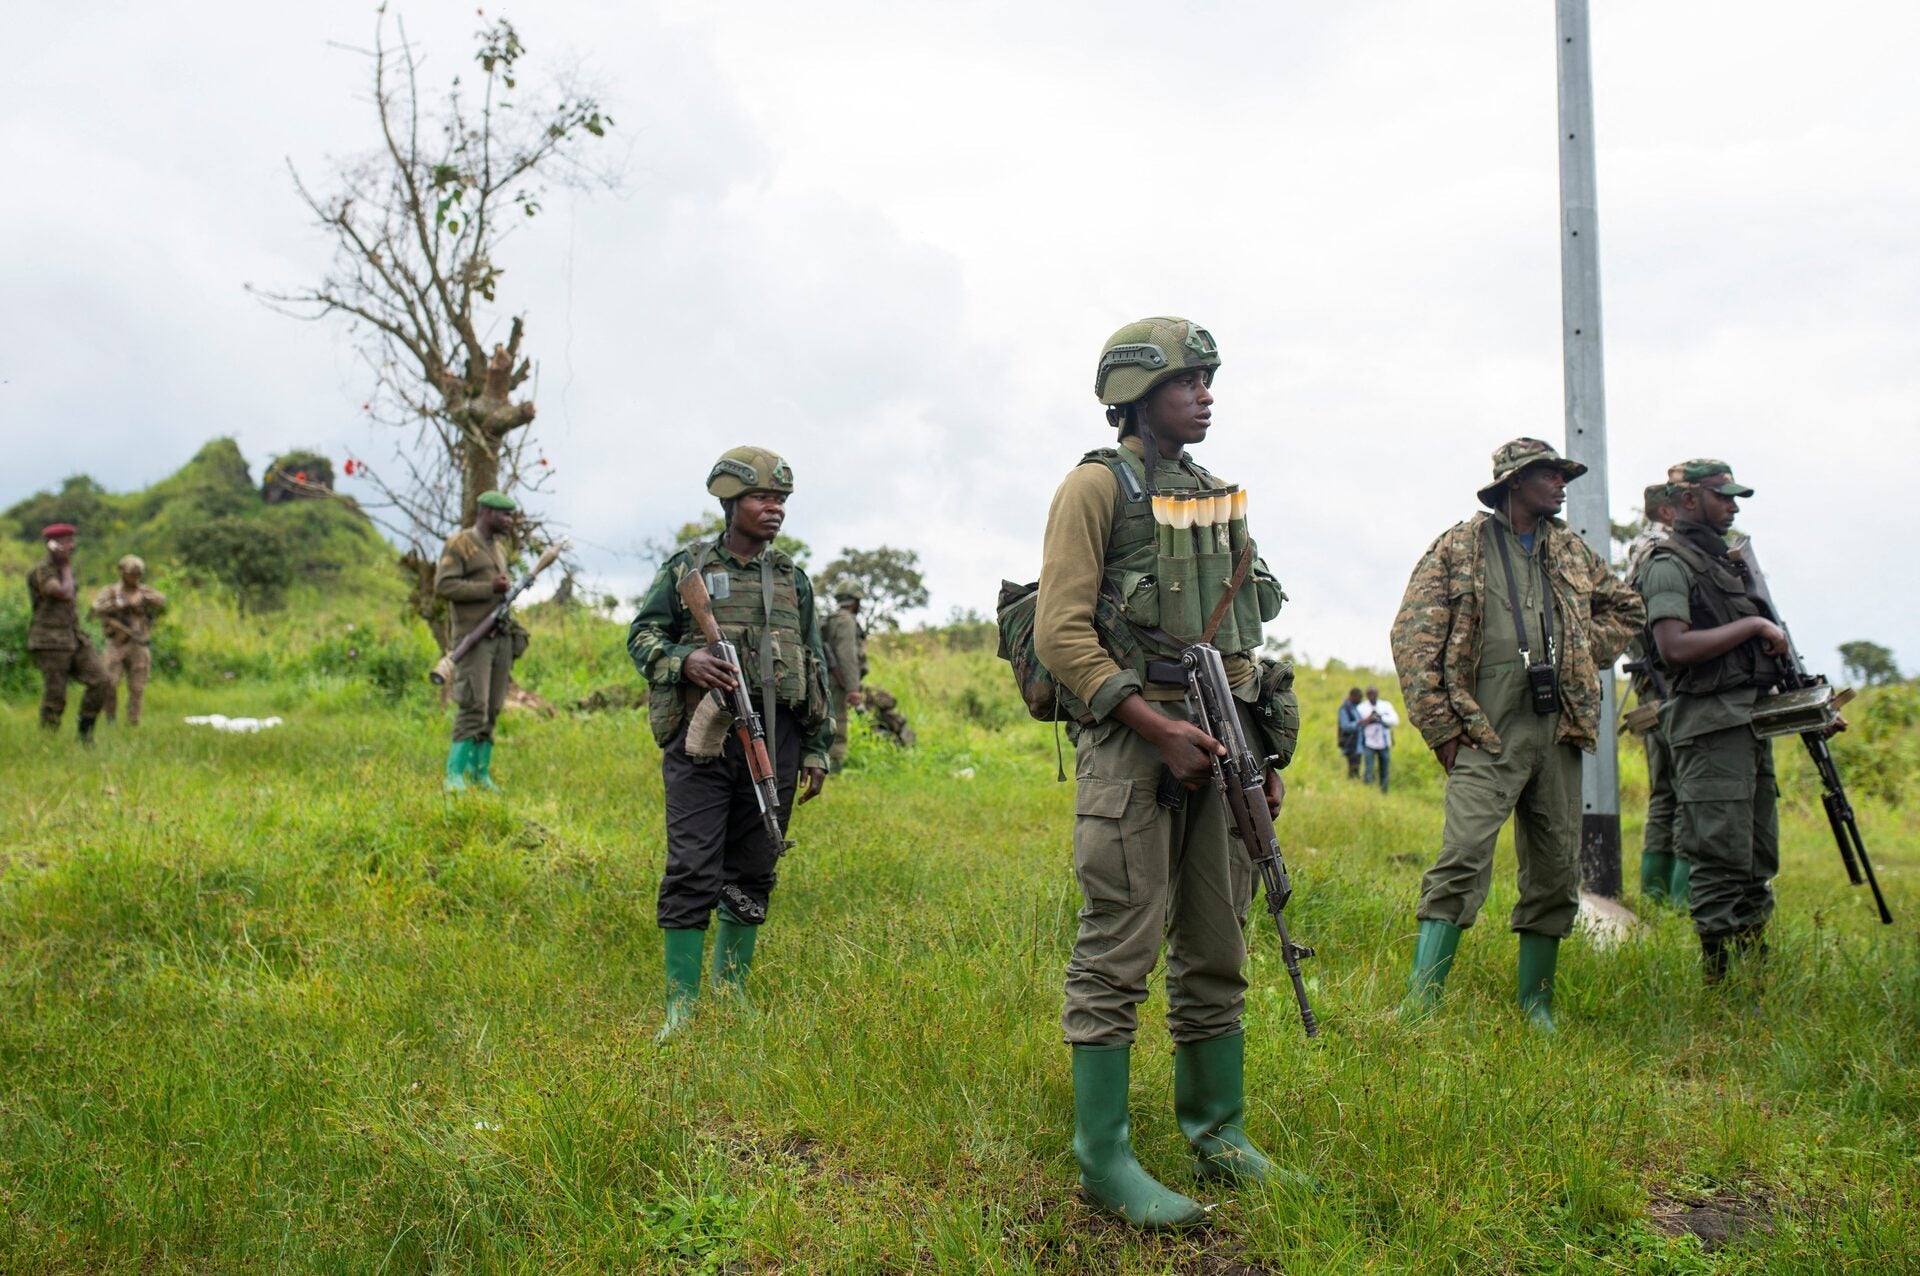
1517,454
496,501
1702,471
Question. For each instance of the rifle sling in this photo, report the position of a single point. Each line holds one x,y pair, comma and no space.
1220,608
1513,602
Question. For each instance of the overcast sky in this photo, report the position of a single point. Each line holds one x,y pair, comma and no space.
888,240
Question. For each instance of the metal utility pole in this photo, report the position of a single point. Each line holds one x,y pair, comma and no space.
1587,506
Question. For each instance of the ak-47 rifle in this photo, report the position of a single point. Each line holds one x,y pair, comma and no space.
1241,777
1805,706
442,673
747,724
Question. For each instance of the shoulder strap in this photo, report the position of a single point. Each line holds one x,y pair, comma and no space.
1513,602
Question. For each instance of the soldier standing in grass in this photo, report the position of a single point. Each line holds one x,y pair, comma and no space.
127,612
846,645
1723,649
472,576
1501,640
54,637
720,856
1150,874
1664,873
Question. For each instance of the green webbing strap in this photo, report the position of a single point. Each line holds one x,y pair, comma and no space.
766,647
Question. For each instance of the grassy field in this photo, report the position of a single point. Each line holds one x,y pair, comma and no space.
273,1003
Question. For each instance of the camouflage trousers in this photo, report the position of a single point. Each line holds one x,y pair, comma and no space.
1537,782
132,661
480,682
57,668
1729,827
1150,875
1662,806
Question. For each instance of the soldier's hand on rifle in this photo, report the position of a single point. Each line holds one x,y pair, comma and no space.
704,669
816,780
1773,639
855,699
501,584
1189,752
1276,794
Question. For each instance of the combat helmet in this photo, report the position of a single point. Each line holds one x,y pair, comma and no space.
1142,355
849,589
748,469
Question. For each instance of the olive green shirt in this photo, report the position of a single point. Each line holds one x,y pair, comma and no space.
1073,560
846,648
468,567
1667,586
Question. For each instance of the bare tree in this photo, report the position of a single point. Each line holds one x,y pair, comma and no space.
417,226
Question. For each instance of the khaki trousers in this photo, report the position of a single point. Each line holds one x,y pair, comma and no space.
838,753
57,668
1729,827
480,688
1147,875
1662,806
134,661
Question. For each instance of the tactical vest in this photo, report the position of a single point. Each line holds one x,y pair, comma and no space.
1175,594
1717,595
758,610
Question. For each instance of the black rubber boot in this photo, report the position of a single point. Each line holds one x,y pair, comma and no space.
86,727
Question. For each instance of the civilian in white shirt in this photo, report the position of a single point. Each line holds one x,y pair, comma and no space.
1377,721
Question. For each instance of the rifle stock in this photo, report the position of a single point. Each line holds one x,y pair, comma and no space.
746,719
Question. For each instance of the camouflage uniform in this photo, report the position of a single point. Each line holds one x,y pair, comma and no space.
1723,773
845,640
63,651
1464,676
127,615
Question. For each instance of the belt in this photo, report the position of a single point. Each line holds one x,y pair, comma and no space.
1167,672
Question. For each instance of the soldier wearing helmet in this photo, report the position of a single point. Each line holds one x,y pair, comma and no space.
720,859
845,639
1721,647
1149,874
54,637
127,612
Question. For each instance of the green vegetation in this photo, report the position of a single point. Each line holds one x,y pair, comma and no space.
271,1002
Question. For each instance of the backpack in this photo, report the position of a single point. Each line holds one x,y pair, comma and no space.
1045,698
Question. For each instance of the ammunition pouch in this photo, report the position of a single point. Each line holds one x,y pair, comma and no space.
1276,710
1642,718
707,731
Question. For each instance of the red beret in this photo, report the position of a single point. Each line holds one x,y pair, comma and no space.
53,531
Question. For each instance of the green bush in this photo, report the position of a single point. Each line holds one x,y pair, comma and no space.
253,558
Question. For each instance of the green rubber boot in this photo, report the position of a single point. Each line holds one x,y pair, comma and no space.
1209,1102
733,952
1538,956
1656,872
459,763
686,949
480,760
1680,885
1109,1174
1432,959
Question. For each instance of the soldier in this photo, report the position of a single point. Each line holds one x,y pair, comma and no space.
1148,871
472,576
1663,873
719,854
1501,640
59,646
846,644
127,612
1723,649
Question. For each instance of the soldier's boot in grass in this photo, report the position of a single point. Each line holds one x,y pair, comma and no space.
1109,1174
1432,959
1656,875
86,727
732,952
481,773
1680,885
685,951
1715,951
1209,1102
1539,954
459,761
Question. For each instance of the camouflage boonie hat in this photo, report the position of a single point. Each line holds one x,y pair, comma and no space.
1696,472
748,469
132,563
1142,355
1517,454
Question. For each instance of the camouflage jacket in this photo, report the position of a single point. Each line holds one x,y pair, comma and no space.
1437,634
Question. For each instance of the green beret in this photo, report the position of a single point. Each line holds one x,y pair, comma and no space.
497,501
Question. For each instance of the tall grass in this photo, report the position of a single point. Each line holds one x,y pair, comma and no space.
272,1002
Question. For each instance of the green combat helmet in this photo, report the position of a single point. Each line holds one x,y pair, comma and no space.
748,469
1142,355
849,590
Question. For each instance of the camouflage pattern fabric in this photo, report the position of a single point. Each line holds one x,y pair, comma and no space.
1640,546
1696,472
1437,635
883,713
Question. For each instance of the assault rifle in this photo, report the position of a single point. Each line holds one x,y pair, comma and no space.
1805,706
442,673
747,724
1241,777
